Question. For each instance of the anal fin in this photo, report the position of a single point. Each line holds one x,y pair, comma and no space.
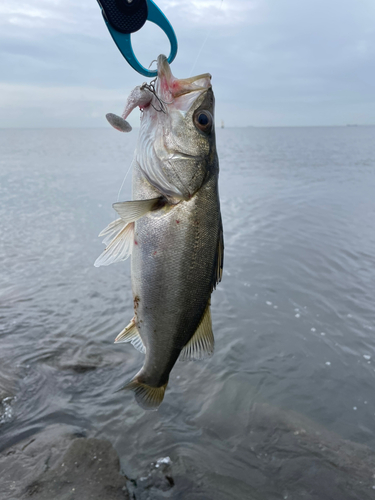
201,345
131,334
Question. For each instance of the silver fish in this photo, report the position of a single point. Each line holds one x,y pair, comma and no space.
172,228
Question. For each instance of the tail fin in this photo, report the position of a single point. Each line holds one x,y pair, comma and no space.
149,398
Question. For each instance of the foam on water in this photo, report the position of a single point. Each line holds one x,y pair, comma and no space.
6,410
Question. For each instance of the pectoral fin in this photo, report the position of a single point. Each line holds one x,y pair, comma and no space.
201,345
130,334
130,211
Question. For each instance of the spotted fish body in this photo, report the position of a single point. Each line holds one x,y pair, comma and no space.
176,233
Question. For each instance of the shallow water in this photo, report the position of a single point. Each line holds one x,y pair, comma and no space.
294,317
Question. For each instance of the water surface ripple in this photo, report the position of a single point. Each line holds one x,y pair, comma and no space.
294,317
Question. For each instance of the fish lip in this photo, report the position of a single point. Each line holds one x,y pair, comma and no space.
178,87
164,70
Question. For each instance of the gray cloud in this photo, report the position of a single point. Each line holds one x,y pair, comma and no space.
273,63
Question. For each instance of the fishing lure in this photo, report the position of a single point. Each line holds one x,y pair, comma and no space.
124,17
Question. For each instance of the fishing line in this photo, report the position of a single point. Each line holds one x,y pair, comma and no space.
123,182
204,43
192,69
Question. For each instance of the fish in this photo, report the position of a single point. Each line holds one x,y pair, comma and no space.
172,228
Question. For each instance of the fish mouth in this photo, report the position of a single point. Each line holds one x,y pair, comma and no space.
172,87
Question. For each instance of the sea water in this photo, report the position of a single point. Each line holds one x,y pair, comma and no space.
293,319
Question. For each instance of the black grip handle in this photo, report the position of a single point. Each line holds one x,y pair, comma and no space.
125,16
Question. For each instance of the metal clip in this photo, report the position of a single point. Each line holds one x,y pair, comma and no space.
124,17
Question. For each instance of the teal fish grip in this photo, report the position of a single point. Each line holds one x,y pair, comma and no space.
124,17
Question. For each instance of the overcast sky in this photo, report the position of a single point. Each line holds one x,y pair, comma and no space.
273,62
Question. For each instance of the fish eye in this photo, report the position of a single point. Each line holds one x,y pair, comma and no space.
203,121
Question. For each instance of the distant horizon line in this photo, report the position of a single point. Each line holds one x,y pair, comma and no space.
218,126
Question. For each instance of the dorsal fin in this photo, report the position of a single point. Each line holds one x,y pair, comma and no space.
219,256
201,344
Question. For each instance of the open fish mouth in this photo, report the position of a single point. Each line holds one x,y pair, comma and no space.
165,94
170,88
